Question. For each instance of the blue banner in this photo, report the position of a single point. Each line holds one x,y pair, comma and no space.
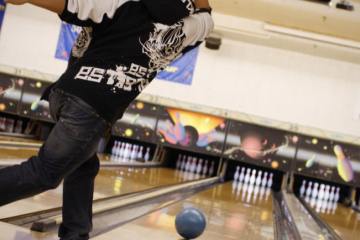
181,70
2,12
67,37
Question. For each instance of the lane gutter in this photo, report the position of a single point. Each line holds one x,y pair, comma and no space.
284,224
112,212
326,229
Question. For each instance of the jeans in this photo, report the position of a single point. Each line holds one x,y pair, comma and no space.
68,154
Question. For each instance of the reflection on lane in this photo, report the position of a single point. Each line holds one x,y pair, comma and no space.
228,217
17,139
305,223
345,221
109,182
16,154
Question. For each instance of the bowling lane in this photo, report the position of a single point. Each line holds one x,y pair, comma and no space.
8,154
13,142
109,182
16,153
231,214
17,139
345,221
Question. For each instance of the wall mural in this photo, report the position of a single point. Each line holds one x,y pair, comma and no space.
196,131
328,160
259,145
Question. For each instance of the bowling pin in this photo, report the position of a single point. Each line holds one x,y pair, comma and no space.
125,152
10,125
270,182
309,189
242,175
327,193
18,127
199,166
237,174
2,124
253,177
133,153
183,164
188,164
193,165
314,192
178,162
140,153
302,189
121,151
206,166
5,124
337,195
147,155
129,152
247,176
212,169
258,179
321,191
332,194
264,180
114,148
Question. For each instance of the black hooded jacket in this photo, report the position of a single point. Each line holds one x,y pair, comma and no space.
124,44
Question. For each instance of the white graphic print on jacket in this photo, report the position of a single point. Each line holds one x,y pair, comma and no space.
164,45
189,5
82,42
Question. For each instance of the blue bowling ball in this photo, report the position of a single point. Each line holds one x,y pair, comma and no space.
190,223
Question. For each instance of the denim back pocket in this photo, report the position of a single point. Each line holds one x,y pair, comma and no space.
81,120
56,101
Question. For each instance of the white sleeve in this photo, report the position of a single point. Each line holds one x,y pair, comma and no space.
197,27
94,10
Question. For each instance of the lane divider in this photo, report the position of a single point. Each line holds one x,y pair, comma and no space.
120,202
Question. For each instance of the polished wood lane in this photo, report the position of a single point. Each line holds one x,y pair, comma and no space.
109,182
12,232
345,221
231,214
17,139
16,153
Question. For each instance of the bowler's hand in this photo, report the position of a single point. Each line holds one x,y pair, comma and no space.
202,4
56,6
17,2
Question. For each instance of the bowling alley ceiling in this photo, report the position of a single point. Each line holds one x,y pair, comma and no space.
297,14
